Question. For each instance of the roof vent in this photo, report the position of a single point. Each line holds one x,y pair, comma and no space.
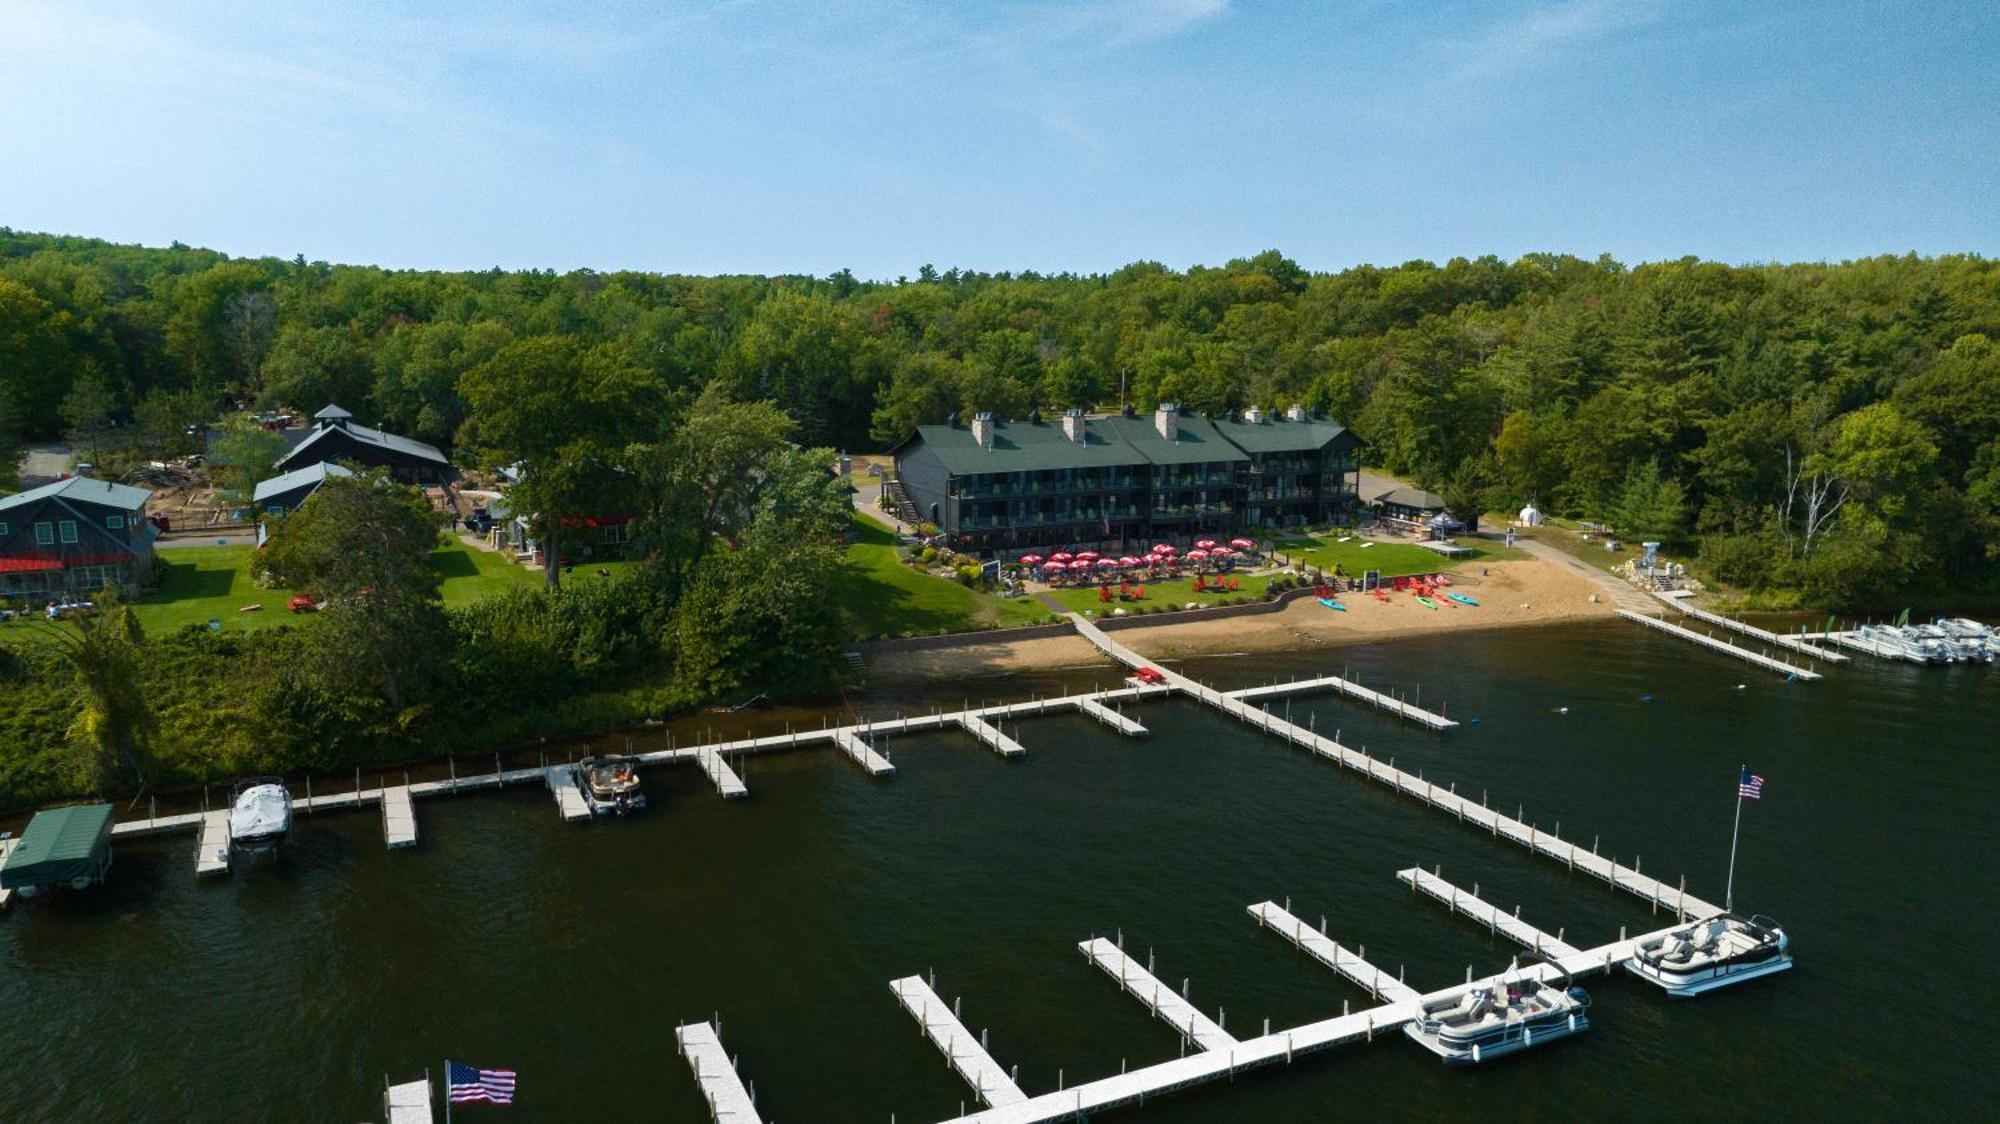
1296,413
1253,414
1167,419
1127,410
1035,416
982,428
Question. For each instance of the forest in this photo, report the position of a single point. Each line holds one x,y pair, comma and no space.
1825,435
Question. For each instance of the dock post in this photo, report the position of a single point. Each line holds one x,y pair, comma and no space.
309,794
451,762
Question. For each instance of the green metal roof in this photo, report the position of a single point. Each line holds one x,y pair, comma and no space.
1199,442
1025,447
60,844
1281,435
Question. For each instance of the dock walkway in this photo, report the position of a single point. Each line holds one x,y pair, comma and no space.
1471,905
728,1101
863,754
967,1054
1352,690
1867,646
1317,945
1793,643
990,734
569,798
1158,997
6,849
1445,799
726,781
211,854
1111,718
399,817
1723,646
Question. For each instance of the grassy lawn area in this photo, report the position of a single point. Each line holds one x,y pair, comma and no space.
1173,591
883,596
470,573
1394,559
1567,536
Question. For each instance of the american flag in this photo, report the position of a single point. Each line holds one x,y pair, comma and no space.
1750,785
464,1083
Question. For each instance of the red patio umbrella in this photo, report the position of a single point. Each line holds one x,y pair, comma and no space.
1197,555
1061,556
1031,559
1163,548
1219,552
1242,544
1086,556
1106,564
1206,544
1128,560
1056,566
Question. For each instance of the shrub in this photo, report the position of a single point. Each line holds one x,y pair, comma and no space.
929,555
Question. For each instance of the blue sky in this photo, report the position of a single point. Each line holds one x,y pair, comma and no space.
806,137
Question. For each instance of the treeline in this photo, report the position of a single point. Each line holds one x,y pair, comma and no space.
1832,430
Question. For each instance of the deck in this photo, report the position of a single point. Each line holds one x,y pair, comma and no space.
967,1054
728,1101
1317,945
1162,1000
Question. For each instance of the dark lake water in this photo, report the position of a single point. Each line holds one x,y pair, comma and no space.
570,952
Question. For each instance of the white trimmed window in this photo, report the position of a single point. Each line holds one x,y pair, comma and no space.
115,522
276,510
44,535
3,530
68,529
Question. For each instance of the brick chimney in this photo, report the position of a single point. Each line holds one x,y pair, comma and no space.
982,428
1073,424
1167,419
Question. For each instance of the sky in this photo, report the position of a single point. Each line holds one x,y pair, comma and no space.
776,137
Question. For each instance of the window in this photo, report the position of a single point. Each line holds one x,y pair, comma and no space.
276,510
44,535
115,522
3,530
68,528
616,533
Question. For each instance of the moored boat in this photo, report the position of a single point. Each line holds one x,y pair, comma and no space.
1498,1018
1722,950
610,784
260,814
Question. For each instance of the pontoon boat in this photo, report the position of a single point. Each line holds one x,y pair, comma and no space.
1499,1017
1706,955
610,784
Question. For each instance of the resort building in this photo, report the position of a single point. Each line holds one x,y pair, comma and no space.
1122,478
281,495
336,437
73,537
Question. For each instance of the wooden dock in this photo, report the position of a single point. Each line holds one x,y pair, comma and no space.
990,734
1797,644
6,849
1317,945
569,798
399,817
1352,690
967,1054
1094,709
1471,905
726,781
1723,646
728,1101
1444,798
211,853
863,754
1162,1000
1867,646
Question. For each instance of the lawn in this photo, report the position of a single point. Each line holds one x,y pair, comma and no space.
1394,559
203,583
1173,591
883,596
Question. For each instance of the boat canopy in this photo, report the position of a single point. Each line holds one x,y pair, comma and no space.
60,845
260,810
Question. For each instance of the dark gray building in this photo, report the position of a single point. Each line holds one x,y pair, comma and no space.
1120,479
72,538
336,437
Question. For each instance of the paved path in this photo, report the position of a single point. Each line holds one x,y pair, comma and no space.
1624,594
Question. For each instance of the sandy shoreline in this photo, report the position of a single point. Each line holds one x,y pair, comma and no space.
1510,595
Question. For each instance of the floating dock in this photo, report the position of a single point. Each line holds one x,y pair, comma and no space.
967,1054
1797,644
211,854
728,1101
569,798
863,754
1316,944
726,781
1723,646
1162,1000
1352,690
990,734
1094,709
1471,905
409,1103
1867,646
6,849
399,817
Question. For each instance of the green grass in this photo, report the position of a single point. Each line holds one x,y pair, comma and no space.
883,596
470,573
1159,594
1394,559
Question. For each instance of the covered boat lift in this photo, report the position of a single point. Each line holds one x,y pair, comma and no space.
62,847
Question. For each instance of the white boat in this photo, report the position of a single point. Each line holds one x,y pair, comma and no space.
1498,1018
610,785
1720,951
260,813
1890,641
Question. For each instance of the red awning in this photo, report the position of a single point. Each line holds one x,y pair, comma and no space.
37,564
28,565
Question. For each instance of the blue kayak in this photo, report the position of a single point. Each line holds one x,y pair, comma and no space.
1331,603
1463,599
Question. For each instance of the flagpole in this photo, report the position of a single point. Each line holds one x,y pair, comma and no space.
447,1081
1728,894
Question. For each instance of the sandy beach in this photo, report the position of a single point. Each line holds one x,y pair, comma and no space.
1510,595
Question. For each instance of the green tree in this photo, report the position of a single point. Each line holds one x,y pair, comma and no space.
87,411
110,737
1649,506
169,422
246,455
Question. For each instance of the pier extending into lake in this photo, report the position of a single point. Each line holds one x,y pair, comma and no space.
1716,645
715,1071
966,1054
1799,644
1352,690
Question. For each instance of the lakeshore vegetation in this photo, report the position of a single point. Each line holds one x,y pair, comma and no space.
1822,434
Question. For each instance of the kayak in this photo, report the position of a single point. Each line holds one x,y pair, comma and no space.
1331,604
1427,603
1463,599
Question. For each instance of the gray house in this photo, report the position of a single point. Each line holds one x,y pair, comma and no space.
336,437
73,537
281,495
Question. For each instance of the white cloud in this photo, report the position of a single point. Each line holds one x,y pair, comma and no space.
1544,31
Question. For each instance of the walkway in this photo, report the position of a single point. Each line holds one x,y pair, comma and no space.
967,1055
